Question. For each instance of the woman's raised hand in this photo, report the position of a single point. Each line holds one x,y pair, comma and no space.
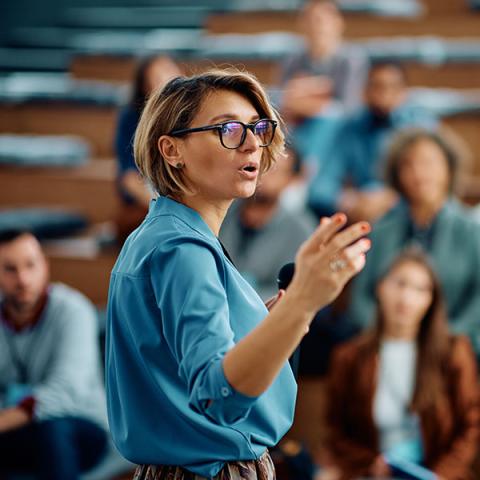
327,261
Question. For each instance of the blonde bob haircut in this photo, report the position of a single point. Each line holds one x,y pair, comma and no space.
174,108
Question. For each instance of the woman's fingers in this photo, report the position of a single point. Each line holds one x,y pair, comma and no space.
354,256
328,227
271,302
349,262
345,238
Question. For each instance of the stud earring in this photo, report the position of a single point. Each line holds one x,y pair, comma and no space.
179,165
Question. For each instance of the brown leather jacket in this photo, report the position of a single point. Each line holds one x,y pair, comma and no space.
450,445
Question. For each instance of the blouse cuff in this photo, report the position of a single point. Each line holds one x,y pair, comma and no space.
218,400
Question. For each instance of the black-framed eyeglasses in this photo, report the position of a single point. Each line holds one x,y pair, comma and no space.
233,133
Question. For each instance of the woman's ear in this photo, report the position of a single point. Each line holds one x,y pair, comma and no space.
170,149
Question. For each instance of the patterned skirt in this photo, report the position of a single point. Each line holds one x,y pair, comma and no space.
261,469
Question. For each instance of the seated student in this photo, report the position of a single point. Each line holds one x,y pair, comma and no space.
325,68
53,420
421,168
407,389
348,178
152,72
261,234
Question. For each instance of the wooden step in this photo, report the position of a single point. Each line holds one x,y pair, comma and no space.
86,268
96,124
446,7
121,69
358,25
88,189
117,69
446,75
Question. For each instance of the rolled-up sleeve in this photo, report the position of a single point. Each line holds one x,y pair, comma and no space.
188,284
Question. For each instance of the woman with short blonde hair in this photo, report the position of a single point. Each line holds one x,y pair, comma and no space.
173,109
198,380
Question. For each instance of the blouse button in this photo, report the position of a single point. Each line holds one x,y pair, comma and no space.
225,392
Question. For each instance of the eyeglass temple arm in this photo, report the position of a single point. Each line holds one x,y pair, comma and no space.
196,129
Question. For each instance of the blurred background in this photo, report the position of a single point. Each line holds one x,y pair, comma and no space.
66,67
74,75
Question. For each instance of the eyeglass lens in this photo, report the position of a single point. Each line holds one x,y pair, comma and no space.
233,133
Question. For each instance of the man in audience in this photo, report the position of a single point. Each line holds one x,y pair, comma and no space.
350,178
326,69
52,403
261,234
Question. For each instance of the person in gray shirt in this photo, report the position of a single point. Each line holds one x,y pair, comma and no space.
52,402
261,233
325,69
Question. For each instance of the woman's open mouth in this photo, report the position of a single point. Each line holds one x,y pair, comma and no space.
249,171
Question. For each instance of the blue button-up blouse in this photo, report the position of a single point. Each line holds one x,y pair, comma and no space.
176,306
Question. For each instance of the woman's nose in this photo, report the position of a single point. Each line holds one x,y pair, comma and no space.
251,142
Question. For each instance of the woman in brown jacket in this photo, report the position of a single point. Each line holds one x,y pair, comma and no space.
407,388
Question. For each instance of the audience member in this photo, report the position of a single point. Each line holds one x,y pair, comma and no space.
261,234
421,168
152,73
348,179
325,69
52,403
406,391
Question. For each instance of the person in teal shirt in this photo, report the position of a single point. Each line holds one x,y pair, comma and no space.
423,167
197,376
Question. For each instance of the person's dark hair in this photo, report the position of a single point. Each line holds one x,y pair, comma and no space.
11,234
404,140
292,152
433,338
139,95
381,64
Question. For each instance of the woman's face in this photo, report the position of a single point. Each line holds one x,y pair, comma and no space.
385,90
405,295
322,24
215,172
276,180
159,73
424,174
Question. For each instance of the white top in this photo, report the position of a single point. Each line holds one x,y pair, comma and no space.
399,431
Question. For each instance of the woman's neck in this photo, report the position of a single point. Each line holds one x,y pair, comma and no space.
212,211
424,214
399,337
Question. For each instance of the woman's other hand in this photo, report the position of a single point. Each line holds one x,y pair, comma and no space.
271,302
327,261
